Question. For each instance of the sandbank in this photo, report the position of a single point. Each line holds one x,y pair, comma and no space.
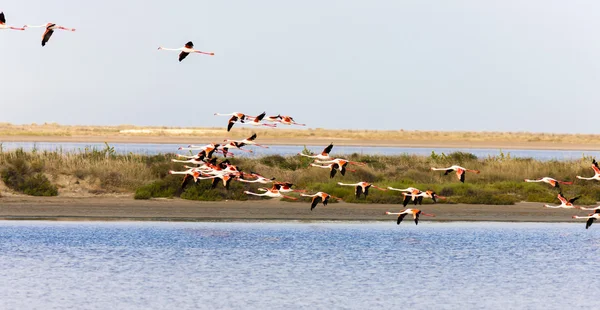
127,209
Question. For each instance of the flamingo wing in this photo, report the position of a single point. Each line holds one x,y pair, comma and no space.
327,150
183,55
47,36
326,200
252,137
190,44
2,18
448,171
358,191
333,171
562,198
343,170
416,216
400,218
595,166
419,200
461,176
367,190
589,222
232,121
215,181
573,199
260,117
597,211
406,200
315,202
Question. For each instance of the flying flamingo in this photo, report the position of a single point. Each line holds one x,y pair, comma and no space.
362,188
50,27
418,197
412,190
186,50
564,203
551,181
590,209
596,172
319,197
273,118
323,156
591,218
288,120
285,187
233,145
192,172
235,117
257,121
460,171
415,213
340,161
4,26
227,178
273,193
333,169
248,141
258,178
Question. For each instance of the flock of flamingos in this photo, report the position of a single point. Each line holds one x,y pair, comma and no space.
206,166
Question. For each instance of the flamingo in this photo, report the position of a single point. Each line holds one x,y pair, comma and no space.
50,27
412,190
340,161
208,149
319,197
591,218
197,175
235,117
551,181
257,121
596,172
564,203
259,178
226,178
362,188
460,171
248,141
323,156
333,169
186,50
590,209
233,145
415,213
288,120
273,119
4,26
286,187
273,193
418,197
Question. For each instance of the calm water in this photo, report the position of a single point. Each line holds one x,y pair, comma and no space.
153,149
64,265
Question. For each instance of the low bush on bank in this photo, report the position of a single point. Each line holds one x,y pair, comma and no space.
22,176
500,182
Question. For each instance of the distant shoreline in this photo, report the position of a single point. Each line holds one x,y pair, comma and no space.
290,141
103,208
286,135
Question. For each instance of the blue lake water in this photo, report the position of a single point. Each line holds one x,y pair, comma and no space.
151,265
153,149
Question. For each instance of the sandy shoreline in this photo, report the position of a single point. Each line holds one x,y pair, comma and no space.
309,141
128,209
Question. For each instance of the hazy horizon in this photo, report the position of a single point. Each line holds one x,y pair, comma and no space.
412,65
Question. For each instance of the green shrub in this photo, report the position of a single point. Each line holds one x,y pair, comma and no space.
18,175
160,188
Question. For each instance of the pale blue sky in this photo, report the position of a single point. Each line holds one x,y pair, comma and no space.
416,65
